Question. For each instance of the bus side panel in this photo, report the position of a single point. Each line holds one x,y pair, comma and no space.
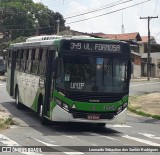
28,88
20,81
8,80
11,73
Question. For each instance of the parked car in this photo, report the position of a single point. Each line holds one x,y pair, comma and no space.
2,66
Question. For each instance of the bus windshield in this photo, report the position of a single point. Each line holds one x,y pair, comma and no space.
92,74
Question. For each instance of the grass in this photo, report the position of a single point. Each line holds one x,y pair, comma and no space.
5,123
138,110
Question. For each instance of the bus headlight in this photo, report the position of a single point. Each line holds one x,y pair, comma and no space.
65,107
62,105
58,102
119,109
125,105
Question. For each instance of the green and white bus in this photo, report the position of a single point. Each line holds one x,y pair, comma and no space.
71,78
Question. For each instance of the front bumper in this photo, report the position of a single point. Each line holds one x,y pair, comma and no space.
60,115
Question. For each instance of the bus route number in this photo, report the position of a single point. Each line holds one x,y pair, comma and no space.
75,46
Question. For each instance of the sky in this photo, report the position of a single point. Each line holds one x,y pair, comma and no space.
109,19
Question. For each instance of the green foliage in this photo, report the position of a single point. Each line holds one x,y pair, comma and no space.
139,112
4,46
19,19
5,123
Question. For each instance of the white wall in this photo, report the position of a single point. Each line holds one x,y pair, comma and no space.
136,71
153,55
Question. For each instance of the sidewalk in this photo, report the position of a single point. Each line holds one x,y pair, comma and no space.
141,79
146,105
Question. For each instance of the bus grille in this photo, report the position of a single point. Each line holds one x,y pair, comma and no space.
92,98
82,114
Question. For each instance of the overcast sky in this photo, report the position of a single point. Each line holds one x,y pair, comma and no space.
109,23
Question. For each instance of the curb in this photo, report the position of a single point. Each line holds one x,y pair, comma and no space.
6,115
142,113
17,121
145,80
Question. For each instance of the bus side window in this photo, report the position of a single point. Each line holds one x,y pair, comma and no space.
21,55
42,63
29,61
40,54
22,60
18,62
9,59
35,62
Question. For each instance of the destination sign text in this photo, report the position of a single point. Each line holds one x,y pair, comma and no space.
90,46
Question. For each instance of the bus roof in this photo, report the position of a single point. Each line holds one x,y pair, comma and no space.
49,40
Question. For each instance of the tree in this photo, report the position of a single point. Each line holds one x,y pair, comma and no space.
25,18
5,45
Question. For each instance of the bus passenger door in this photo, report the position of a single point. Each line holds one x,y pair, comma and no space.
12,72
48,81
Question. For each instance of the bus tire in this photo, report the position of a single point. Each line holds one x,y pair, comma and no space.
101,124
44,121
18,104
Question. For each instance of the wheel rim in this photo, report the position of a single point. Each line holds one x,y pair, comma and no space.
17,98
40,110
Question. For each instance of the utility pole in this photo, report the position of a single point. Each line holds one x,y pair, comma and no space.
149,46
122,28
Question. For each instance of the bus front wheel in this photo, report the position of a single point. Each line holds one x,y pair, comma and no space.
18,104
44,121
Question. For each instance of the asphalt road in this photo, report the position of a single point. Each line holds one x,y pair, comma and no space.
138,131
145,87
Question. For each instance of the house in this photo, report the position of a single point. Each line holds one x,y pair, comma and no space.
132,39
154,56
139,49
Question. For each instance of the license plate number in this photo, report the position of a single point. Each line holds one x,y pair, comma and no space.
93,117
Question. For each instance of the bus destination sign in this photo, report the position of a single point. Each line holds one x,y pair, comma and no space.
92,46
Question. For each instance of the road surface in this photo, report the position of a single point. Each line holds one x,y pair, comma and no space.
138,131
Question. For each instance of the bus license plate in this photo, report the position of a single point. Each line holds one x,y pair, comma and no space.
93,117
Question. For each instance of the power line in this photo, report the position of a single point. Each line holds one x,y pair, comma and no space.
108,12
88,10
157,34
97,10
